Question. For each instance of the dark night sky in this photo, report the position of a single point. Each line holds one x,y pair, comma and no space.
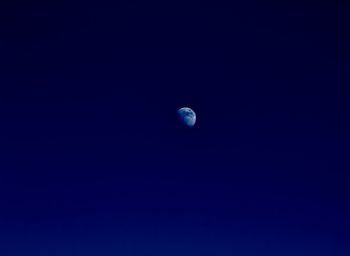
94,160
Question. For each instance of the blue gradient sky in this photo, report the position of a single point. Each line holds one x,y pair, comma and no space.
93,157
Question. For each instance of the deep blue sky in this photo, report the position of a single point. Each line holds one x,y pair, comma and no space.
94,160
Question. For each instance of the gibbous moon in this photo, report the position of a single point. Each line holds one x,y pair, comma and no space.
187,115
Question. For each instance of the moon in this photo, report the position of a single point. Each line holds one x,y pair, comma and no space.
187,115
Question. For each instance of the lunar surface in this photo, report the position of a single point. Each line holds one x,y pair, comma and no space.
187,115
